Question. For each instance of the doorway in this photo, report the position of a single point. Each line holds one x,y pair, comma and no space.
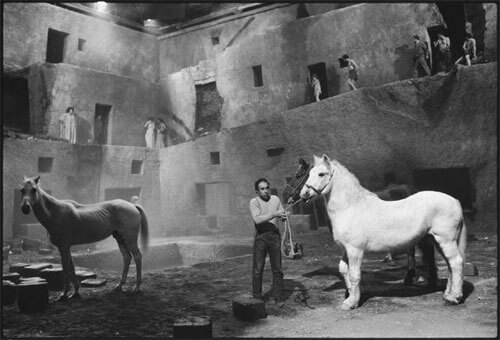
56,46
455,182
15,103
454,16
208,108
320,70
101,123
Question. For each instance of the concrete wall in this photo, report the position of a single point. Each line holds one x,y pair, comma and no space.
79,172
54,87
108,48
285,49
432,122
490,34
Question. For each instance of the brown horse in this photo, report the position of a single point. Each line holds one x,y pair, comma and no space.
392,192
69,223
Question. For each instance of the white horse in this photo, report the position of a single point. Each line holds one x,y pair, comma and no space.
363,222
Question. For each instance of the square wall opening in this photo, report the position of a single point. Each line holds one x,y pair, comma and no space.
45,164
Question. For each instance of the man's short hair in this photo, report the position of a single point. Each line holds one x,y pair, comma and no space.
262,179
468,34
70,108
345,56
416,37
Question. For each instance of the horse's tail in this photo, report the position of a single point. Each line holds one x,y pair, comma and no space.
144,228
462,238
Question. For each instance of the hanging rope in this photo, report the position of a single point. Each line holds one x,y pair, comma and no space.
287,236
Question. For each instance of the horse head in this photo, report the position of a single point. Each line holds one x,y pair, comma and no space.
292,189
30,193
319,179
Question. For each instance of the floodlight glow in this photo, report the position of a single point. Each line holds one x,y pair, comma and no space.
101,6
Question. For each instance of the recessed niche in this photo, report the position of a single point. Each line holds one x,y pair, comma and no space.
45,164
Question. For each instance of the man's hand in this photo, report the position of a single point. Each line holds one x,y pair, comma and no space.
281,214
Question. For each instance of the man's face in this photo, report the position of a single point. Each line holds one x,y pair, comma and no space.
263,191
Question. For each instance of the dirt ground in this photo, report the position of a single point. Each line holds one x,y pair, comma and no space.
314,293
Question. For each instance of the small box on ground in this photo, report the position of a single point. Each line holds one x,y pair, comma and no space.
9,292
32,296
16,267
54,277
12,277
193,327
34,269
248,309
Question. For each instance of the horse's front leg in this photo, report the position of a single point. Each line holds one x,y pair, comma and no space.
344,271
76,282
66,264
355,257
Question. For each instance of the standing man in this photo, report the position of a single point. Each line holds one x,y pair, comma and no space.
420,54
266,209
353,71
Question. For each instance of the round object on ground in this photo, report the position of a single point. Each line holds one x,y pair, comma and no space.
32,296
54,277
9,292
12,277
193,327
248,309
83,275
16,267
34,269
92,283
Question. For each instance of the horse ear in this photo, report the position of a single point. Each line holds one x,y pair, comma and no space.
37,179
326,159
316,159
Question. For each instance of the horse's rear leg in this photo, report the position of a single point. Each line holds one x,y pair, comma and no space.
126,262
76,282
136,253
410,272
427,247
455,261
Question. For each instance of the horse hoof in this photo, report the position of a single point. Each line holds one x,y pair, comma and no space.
451,301
118,289
137,290
347,306
75,296
62,297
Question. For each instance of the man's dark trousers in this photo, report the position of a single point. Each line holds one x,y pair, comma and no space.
267,243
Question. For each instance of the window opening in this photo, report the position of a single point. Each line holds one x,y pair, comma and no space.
257,76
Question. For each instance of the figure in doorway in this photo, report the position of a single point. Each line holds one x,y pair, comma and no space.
266,209
150,133
67,125
420,56
469,49
442,44
353,71
161,129
316,86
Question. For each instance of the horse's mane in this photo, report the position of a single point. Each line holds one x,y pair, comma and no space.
344,181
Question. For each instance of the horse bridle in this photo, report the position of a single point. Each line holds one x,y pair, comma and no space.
301,182
318,191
